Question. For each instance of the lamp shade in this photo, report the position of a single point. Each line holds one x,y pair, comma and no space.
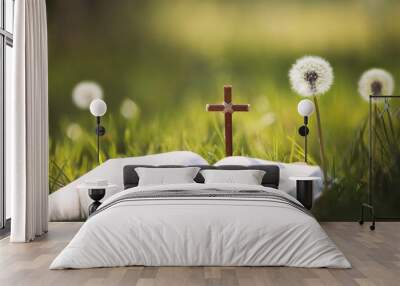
98,107
305,107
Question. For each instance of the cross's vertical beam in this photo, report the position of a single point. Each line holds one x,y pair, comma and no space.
228,120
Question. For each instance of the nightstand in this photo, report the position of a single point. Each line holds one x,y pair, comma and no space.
96,192
304,190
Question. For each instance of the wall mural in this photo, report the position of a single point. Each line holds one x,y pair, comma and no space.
158,63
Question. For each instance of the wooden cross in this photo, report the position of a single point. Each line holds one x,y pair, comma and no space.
228,108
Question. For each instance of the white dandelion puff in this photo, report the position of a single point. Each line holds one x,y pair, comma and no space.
129,109
261,104
74,131
310,76
268,119
85,92
375,82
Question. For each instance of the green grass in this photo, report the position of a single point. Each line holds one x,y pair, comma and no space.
173,57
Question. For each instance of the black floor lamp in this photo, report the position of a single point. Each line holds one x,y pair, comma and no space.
305,109
373,99
98,108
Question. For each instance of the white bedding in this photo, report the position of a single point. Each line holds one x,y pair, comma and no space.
70,203
287,170
200,231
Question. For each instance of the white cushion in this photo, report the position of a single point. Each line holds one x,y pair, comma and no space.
166,176
245,177
70,203
286,170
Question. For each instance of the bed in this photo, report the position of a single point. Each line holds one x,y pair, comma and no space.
70,203
201,224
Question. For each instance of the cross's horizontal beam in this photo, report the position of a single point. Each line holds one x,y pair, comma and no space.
221,107
241,107
215,107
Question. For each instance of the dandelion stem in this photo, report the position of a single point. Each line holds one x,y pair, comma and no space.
321,140
391,125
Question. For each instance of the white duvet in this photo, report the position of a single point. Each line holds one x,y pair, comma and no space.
70,203
200,231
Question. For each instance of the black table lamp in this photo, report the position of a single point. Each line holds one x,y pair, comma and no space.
305,109
98,108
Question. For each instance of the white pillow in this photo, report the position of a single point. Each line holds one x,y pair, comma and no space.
287,170
166,176
244,177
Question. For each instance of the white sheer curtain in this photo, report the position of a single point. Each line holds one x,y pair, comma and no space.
27,124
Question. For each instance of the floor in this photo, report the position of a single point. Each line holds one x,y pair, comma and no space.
375,257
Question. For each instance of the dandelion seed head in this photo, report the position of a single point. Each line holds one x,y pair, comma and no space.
85,92
129,109
375,82
74,131
268,119
311,75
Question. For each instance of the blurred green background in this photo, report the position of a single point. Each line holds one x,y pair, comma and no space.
164,60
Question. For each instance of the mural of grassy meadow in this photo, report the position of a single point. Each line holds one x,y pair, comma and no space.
158,63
